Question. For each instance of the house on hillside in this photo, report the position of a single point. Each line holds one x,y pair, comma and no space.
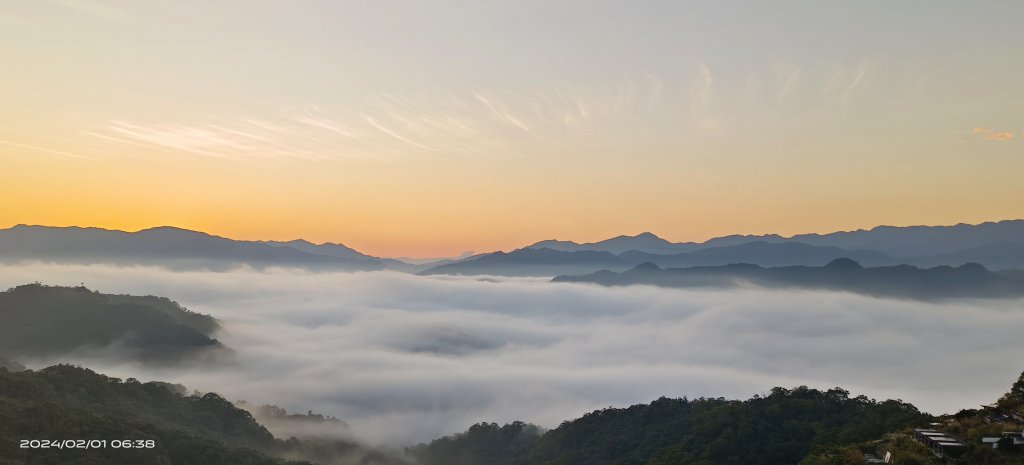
941,444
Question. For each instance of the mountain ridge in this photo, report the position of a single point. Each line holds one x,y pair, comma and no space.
995,244
843,274
168,246
859,238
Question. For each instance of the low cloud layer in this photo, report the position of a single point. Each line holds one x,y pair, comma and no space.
405,358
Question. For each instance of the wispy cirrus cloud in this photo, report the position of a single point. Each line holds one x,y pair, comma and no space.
990,134
95,8
34,148
218,138
859,75
787,76
700,97
506,123
386,125
502,114
843,83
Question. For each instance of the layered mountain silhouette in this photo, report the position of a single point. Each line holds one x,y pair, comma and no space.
998,246
995,245
550,262
171,247
534,262
644,242
899,241
345,252
763,253
902,281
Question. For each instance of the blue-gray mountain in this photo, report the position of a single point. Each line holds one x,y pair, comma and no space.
997,246
170,247
908,241
900,281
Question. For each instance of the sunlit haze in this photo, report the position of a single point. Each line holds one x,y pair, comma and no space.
426,129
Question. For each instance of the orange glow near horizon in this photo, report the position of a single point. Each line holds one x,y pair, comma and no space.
357,124
428,208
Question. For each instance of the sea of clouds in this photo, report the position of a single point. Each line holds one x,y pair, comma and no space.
405,359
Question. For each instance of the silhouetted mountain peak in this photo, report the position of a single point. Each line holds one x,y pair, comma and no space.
647,266
172,231
171,246
645,242
644,236
972,267
843,263
933,245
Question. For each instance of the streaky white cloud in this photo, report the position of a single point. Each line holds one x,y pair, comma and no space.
504,123
34,148
700,95
862,72
397,136
95,8
655,89
787,76
990,134
499,111
495,124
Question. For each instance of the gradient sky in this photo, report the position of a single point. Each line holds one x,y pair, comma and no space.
430,128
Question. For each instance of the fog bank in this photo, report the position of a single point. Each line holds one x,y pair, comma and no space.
404,358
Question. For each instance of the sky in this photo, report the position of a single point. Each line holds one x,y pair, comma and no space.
405,359
431,128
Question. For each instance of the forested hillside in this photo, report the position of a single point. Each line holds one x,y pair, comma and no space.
780,428
51,321
63,402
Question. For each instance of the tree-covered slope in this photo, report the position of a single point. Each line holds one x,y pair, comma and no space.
780,428
46,321
483,443
1002,421
64,402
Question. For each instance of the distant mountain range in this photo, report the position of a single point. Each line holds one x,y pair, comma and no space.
843,274
173,248
550,262
341,251
534,262
644,242
898,241
996,245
